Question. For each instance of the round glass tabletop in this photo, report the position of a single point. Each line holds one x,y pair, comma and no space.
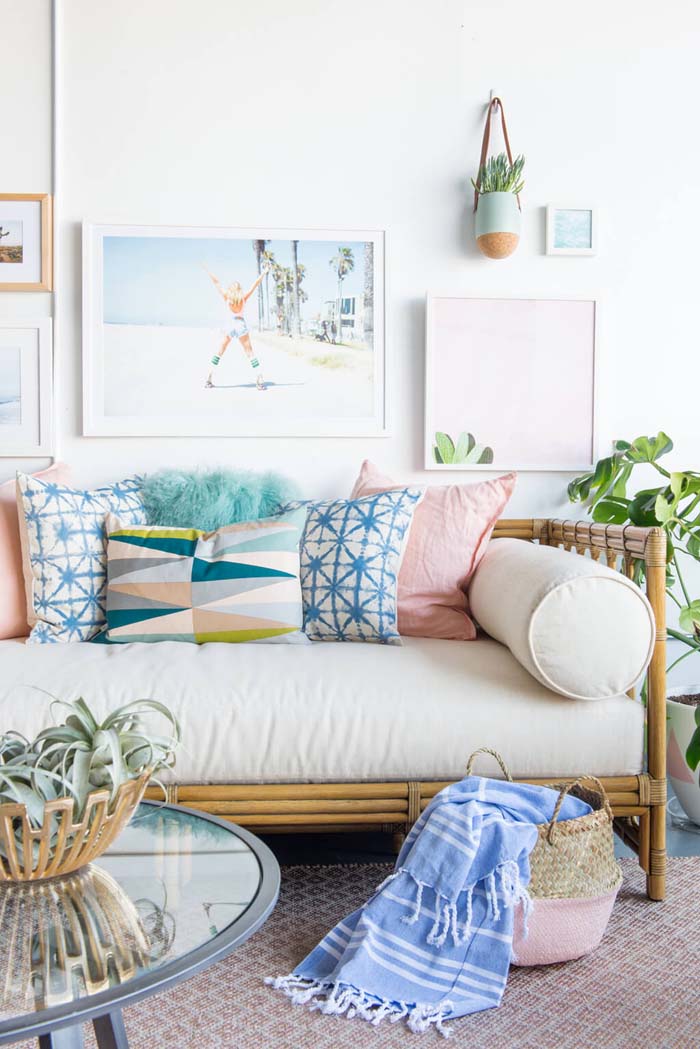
177,891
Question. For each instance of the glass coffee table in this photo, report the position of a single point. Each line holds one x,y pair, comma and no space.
178,891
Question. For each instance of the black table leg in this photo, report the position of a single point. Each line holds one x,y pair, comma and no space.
110,1031
63,1038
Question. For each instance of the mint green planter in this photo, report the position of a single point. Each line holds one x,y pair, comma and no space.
497,224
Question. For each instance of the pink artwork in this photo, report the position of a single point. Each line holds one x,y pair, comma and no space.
510,384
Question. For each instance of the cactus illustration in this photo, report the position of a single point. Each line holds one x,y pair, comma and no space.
466,450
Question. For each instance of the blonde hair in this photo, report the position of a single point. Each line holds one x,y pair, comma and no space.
234,295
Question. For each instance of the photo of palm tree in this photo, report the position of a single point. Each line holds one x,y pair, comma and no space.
231,332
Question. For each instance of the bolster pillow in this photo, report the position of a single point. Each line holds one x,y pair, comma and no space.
577,626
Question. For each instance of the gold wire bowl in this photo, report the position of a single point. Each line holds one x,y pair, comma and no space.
82,930
60,845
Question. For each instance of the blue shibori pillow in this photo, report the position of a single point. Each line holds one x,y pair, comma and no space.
64,553
350,554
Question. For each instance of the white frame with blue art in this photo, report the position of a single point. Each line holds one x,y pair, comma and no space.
33,435
552,249
96,421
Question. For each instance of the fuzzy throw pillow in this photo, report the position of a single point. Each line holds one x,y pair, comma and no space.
450,531
211,499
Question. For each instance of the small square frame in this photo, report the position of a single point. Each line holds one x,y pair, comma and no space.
45,202
551,249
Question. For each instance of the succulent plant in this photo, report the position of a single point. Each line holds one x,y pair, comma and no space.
81,755
466,450
498,175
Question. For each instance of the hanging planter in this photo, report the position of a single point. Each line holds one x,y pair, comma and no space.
497,195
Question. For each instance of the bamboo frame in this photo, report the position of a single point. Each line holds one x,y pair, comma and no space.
45,200
638,802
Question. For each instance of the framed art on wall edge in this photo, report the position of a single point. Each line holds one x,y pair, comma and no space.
26,394
26,242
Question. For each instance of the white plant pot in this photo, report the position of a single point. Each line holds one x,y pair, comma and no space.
680,726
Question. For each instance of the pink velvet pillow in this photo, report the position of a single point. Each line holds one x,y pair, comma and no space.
448,538
13,601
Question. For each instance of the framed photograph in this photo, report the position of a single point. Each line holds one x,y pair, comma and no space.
250,332
571,231
26,248
510,384
26,388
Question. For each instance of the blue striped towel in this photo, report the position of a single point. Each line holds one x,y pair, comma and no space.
434,941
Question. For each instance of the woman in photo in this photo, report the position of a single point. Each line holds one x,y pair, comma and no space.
235,298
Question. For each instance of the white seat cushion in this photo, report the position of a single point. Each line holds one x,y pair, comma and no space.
332,711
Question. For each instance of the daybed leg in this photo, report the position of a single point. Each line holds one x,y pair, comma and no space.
655,557
656,878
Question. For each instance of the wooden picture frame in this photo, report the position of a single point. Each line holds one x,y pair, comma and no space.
26,388
36,272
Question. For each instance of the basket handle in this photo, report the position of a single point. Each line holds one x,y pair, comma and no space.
494,754
562,794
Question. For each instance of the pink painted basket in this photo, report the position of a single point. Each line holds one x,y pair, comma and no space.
574,879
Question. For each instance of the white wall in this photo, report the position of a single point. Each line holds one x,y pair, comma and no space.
25,139
162,106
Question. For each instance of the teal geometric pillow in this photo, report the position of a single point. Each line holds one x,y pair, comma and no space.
239,583
351,552
64,555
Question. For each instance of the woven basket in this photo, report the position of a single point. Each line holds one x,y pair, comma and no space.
74,843
576,857
574,878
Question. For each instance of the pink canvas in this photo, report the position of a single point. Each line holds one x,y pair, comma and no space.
448,538
13,603
498,364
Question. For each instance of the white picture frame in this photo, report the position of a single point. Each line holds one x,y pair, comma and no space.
571,230
332,388
504,373
26,388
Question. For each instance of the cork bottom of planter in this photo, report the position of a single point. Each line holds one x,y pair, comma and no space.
497,245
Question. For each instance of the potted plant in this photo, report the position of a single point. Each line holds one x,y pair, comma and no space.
673,505
66,795
497,222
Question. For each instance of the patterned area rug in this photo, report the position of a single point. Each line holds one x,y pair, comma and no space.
640,988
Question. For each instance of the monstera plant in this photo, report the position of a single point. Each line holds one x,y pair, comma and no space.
673,505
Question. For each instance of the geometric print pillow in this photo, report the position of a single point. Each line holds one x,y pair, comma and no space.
351,552
64,553
240,583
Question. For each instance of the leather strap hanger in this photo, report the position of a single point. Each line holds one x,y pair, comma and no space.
494,104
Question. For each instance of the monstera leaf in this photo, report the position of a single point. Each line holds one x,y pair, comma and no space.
692,754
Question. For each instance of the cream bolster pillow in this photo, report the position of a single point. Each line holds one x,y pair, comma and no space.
577,626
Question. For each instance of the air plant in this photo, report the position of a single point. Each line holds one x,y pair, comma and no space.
81,755
466,450
498,175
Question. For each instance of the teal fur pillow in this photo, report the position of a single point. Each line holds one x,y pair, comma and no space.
211,499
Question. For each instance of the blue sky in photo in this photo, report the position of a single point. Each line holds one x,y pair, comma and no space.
572,228
160,280
13,229
10,374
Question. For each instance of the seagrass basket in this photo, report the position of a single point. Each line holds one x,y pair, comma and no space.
62,844
574,879
576,858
